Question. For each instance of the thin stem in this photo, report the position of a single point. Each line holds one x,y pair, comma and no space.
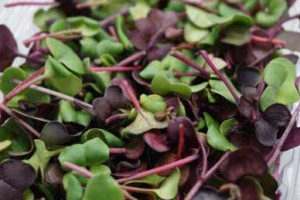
278,146
210,172
117,150
131,95
137,190
128,196
66,34
23,85
112,18
204,159
116,117
184,46
220,75
81,170
19,120
191,63
178,74
113,69
178,163
31,3
30,58
78,102
265,56
136,56
113,33
181,142
259,39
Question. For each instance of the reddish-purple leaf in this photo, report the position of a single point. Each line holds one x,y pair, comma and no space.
8,48
156,141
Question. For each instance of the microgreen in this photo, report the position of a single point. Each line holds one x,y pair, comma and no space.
147,100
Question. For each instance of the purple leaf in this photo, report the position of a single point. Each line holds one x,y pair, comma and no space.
156,141
293,139
243,162
8,48
265,132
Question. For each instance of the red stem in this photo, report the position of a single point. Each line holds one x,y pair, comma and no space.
191,63
30,58
259,39
204,159
113,34
113,69
115,117
169,166
131,95
117,150
277,148
31,3
136,56
81,170
210,172
23,86
220,75
80,6
184,46
181,144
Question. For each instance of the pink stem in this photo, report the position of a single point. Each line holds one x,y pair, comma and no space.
114,69
23,86
191,63
131,95
277,148
111,18
113,33
87,5
115,117
19,120
210,172
117,150
81,170
181,144
31,58
265,56
220,75
132,58
169,166
128,196
267,40
31,3
204,159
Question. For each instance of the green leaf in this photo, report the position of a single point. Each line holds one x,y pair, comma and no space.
41,17
227,125
270,15
218,140
153,68
28,195
11,131
109,47
9,74
193,34
60,78
236,35
91,152
143,122
212,37
110,139
122,35
86,26
4,145
153,180
65,55
210,121
199,87
280,75
153,103
69,114
54,134
39,160
139,10
220,88
199,17
103,187
72,186
89,47
169,188
162,86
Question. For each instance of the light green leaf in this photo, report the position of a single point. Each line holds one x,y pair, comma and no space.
217,140
227,125
153,103
236,35
4,145
42,17
153,180
86,26
139,10
72,186
103,187
169,188
199,87
143,122
199,17
193,34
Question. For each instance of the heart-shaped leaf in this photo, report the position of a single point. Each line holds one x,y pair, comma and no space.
162,86
54,134
8,75
86,26
103,187
8,48
43,19
65,55
143,122
280,75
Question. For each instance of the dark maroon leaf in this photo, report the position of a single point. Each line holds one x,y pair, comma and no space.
265,132
277,115
208,193
250,93
8,48
243,162
191,140
17,174
135,148
165,159
156,141
293,139
248,76
158,52
8,192
250,189
102,108
246,108
54,174
69,7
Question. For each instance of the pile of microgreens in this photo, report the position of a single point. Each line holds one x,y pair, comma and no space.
148,100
